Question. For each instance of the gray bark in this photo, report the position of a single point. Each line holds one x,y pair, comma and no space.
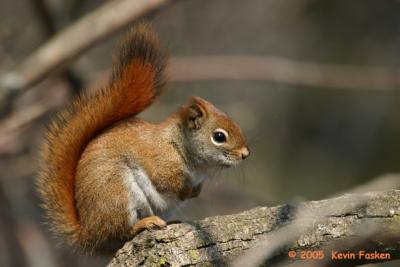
346,224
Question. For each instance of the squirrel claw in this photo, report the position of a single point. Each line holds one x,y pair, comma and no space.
150,224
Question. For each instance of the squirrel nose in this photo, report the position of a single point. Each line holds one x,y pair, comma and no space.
245,152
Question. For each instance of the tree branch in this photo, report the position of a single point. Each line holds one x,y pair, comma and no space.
76,39
372,224
281,70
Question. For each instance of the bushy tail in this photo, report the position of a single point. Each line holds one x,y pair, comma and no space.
138,77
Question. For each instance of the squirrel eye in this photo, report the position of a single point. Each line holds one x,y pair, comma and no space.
219,137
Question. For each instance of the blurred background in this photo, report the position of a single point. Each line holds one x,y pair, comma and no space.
308,141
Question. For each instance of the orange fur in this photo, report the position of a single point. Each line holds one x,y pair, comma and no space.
137,79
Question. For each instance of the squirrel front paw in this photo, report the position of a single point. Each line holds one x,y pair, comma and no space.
149,223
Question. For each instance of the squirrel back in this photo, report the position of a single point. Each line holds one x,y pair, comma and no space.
137,79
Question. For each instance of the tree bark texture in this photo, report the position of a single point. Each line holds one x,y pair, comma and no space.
347,225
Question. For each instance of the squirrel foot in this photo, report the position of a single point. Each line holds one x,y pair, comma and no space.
149,223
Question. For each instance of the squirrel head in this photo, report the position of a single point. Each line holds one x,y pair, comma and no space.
213,137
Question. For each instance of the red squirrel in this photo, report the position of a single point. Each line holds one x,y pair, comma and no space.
105,175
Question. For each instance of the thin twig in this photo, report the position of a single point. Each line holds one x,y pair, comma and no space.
12,127
22,117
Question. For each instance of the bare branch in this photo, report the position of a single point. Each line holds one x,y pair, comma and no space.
76,39
12,126
217,241
22,117
383,182
282,70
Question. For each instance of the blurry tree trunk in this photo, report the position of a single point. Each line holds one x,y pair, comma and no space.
8,231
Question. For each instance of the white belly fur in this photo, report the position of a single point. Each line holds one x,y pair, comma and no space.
144,199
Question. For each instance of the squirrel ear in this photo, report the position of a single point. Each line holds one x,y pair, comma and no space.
196,113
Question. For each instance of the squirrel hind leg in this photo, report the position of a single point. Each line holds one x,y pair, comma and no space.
148,223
